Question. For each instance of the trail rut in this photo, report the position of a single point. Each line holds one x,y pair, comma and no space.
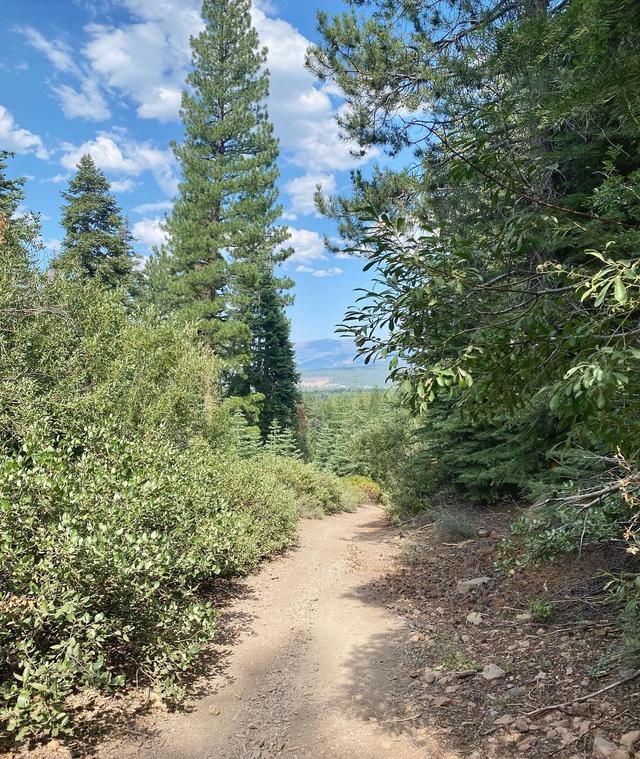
316,670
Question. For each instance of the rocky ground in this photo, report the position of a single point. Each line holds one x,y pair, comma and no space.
485,668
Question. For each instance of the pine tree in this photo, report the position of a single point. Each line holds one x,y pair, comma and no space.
281,441
20,279
97,242
273,370
19,238
247,440
11,192
222,227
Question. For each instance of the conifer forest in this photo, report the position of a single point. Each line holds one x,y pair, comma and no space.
202,557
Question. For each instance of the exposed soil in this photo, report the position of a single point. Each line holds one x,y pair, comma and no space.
358,644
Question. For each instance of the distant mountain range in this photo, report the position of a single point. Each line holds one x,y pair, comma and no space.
331,364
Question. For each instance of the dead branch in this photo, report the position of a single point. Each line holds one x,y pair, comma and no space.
555,707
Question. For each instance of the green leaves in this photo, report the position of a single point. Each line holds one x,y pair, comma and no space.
620,291
118,499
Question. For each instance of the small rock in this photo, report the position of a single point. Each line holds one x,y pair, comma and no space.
540,631
621,753
464,586
494,535
474,618
583,710
566,736
516,692
603,748
451,689
492,672
53,745
581,725
524,617
512,737
505,719
483,533
442,701
527,744
522,725
630,739
429,676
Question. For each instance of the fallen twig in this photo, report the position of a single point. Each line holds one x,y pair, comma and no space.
459,545
404,719
555,707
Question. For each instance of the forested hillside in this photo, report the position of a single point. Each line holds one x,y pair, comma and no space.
155,440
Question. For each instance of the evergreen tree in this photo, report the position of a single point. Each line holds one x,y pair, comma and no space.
97,242
281,441
11,192
273,370
19,237
247,440
20,285
222,228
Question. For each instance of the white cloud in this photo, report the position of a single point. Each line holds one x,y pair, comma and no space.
302,112
123,185
307,244
302,190
149,232
58,52
116,153
87,101
57,179
161,205
18,140
147,60
331,272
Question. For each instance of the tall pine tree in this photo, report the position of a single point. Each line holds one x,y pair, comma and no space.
224,216
97,241
224,242
273,371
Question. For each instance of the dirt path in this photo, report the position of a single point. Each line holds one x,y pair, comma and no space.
315,671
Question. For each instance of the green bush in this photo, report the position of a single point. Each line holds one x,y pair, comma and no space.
351,496
316,493
118,498
104,551
371,491
454,525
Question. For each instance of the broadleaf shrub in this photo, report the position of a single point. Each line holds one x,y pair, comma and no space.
119,498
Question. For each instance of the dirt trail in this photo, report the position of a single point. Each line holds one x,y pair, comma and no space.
315,671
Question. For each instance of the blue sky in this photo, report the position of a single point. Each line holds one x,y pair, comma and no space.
104,76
